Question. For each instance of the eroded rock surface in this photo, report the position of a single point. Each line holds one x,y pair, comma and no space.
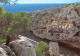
58,23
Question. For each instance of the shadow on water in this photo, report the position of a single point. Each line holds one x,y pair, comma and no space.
65,48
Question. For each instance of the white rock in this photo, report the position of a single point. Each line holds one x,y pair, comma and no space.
3,52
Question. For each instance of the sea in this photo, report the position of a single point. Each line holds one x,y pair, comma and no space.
27,7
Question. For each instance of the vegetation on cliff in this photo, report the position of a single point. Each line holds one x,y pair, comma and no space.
12,24
42,49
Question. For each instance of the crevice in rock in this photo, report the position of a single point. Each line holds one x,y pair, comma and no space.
77,34
77,12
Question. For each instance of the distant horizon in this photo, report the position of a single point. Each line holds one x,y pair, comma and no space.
38,3
44,3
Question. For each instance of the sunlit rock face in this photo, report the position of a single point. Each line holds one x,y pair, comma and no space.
58,23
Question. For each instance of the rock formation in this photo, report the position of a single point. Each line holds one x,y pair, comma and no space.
18,48
54,48
58,23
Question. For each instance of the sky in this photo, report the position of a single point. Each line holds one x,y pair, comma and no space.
46,1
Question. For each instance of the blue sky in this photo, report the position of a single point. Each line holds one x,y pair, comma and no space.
47,1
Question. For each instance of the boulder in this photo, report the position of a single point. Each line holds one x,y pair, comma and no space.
17,48
54,48
22,48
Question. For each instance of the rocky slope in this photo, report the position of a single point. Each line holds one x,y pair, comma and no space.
58,23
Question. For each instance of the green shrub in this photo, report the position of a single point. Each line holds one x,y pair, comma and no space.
42,49
2,40
1,10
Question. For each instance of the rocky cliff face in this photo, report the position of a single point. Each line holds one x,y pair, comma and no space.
58,23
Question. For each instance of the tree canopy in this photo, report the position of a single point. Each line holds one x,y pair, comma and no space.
8,1
12,24
1,10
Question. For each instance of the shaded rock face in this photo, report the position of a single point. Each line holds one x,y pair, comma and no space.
18,48
54,48
58,23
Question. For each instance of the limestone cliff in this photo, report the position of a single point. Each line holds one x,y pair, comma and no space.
57,23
